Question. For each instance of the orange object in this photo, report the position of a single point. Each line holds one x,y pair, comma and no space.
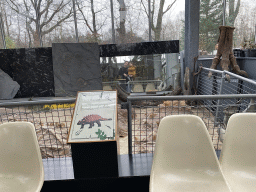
132,71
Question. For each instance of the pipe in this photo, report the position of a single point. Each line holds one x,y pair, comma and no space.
224,12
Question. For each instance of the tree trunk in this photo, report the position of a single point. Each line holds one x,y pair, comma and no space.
158,27
29,36
122,30
157,30
226,52
36,39
6,23
94,33
233,11
36,9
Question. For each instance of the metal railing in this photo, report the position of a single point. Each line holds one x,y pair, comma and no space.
146,112
146,85
136,86
52,116
218,84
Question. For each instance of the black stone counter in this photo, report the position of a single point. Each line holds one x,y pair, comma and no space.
32,68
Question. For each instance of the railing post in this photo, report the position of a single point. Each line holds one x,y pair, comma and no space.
128,107
220,92
129,110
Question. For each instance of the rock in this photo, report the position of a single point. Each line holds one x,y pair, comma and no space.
76,67
8,87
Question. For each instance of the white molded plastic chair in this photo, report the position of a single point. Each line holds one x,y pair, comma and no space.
184,157
138,88
107,88
150,87
21,166
238,154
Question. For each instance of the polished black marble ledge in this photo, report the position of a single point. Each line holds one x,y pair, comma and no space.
135,165
143,48
112,184
128,166
134,175
31,68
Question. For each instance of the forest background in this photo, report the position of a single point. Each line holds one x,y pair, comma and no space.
39,23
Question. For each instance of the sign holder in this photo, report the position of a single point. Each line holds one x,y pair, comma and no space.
92,135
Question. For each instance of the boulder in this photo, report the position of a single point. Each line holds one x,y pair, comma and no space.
8,87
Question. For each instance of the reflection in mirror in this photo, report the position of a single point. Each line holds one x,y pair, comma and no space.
140,73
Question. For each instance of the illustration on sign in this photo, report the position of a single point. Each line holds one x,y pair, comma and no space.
94,117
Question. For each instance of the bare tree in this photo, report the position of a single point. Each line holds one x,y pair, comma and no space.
92,24
121,30
5,18
40,14
156,22
171,30
245,25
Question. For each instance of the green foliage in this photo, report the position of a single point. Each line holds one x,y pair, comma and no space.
182,37
233,12
210,20
211,17
9,43
101,134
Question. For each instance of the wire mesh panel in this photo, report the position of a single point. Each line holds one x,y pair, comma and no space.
147,113
224,82
51,123
220,84
208,86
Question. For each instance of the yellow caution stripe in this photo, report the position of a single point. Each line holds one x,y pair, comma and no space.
59,106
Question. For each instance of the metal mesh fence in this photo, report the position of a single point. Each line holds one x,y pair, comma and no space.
147,112
51,123
136,86
219,84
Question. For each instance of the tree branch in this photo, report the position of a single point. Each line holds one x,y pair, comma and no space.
57,24
86,22
144,8
46,7
169,7
33,3
60,7
237,8
103,23
18,11
93,18
152,16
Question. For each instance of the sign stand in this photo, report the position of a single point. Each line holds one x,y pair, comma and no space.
95,160
93,135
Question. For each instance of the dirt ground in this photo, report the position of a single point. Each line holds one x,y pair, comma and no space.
52,126
145,122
